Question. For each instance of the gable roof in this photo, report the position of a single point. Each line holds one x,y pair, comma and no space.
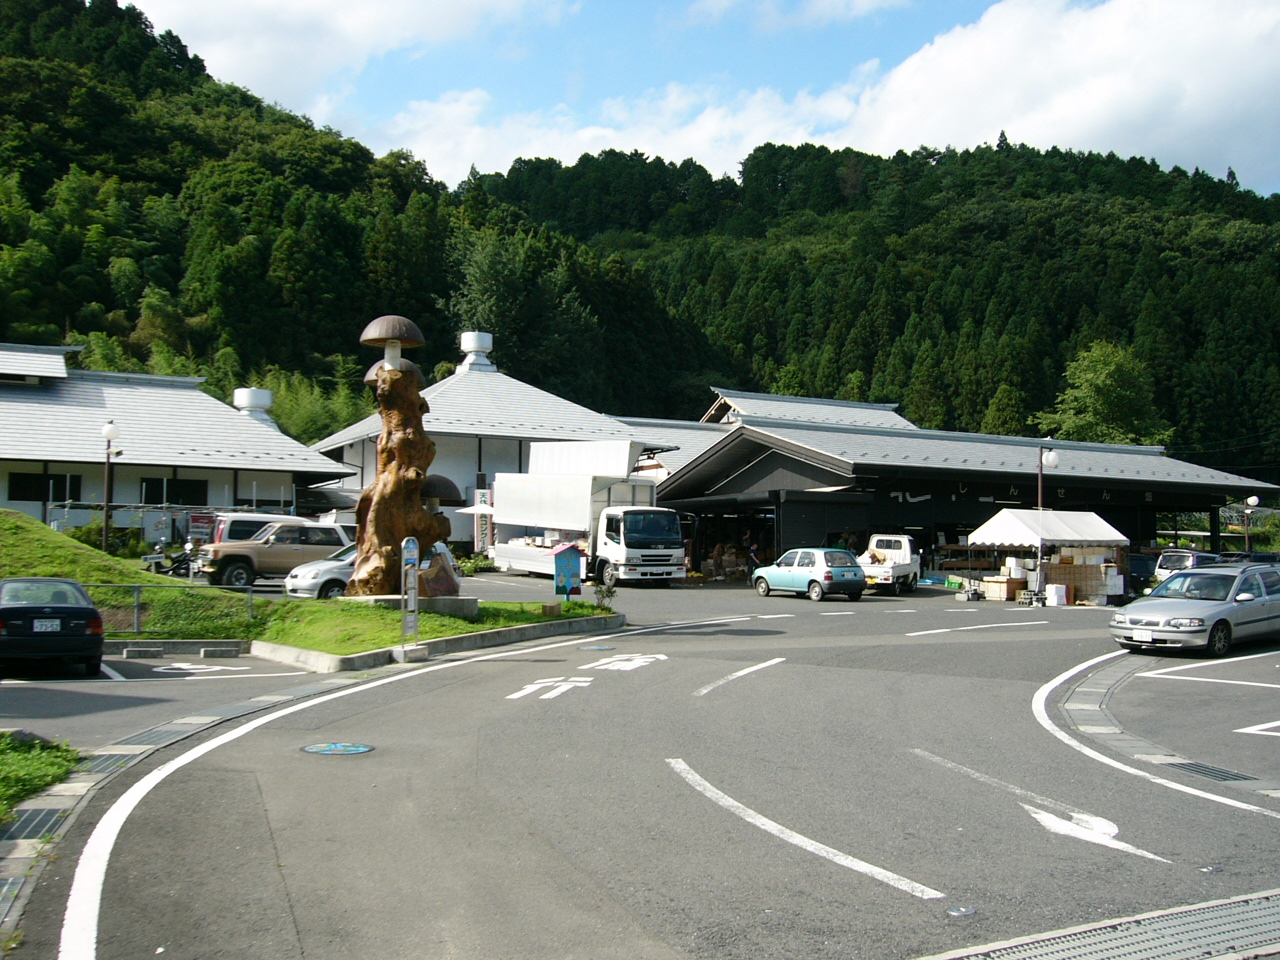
479,402
737,406
166,421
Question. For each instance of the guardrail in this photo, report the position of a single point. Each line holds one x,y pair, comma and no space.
117,616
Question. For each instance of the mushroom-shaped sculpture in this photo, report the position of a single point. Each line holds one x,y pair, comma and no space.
403,365
392,333
442,490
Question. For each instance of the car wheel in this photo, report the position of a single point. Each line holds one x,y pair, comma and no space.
331,589
762,586
92,666
1219,639
896,588
856,595
609,575
815,592
237,573
911,584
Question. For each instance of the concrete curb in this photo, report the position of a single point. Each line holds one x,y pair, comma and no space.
331,663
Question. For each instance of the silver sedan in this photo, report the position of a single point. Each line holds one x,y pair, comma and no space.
1207,608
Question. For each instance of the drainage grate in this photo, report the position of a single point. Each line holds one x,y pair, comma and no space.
1212,930
105,762
1213,773
155,738
32,824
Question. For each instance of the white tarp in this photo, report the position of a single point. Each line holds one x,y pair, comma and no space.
1032,528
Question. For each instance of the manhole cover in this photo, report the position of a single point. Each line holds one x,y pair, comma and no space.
337,749
596,647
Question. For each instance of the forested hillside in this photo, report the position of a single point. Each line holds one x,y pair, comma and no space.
178,224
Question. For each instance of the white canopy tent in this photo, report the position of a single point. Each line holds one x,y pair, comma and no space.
1039,528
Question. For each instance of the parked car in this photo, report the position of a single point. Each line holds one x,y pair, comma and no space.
47,617
246,526
1207,608
328,578
277,549
812,571
1178,559
1142,571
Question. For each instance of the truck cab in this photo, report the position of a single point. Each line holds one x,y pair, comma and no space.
638,543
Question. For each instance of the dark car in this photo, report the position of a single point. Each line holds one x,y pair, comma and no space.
44,617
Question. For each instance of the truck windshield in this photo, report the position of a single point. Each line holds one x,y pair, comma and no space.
651,528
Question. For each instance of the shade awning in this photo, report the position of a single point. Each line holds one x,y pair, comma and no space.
1034,528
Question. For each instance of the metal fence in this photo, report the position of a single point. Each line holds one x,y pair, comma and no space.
128,607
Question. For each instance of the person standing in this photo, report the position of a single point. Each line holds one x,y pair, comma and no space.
717,560
753,560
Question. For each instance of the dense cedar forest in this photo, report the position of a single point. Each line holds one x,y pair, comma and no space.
176,224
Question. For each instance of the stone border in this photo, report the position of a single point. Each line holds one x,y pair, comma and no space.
318,662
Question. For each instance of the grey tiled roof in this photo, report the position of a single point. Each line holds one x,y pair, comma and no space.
966,453
162,420
688,438
29,361
486,403
769,406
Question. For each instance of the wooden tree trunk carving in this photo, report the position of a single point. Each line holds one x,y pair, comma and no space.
391,508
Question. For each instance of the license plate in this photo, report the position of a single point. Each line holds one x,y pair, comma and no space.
46,626
1142,636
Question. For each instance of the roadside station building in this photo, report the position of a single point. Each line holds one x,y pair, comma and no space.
785,471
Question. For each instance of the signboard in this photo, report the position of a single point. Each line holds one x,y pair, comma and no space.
483,521
200,527
408,590
568,571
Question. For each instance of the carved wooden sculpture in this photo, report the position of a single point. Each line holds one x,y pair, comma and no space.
391,508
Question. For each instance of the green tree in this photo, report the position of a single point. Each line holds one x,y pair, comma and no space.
1109,399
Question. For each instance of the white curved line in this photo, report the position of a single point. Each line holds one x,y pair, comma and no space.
799,840
734,676
1042,716
79,939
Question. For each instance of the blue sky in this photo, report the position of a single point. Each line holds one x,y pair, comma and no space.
1188,82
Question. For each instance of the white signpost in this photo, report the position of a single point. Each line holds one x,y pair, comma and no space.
409,561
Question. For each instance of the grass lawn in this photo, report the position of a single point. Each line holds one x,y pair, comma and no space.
332,626
27,767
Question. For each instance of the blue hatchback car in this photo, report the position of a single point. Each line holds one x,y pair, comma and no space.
813,572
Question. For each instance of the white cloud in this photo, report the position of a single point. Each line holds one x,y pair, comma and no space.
1179,81
783,14
286,50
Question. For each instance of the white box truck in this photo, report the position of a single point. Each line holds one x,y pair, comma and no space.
612,517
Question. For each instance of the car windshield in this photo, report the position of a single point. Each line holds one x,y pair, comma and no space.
346,553
651,528
43,593
1196,586
1175,561
840,558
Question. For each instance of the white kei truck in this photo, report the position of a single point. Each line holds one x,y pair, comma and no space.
891,563
583,493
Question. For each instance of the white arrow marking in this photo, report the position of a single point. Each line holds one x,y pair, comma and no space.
1066,828
1265,729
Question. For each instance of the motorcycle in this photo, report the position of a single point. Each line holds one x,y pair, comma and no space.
173,565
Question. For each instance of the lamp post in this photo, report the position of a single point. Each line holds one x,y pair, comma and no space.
1248,514
109,432
1045,457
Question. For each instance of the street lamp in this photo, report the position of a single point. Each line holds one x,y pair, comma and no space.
1046,457
1248,513
109,432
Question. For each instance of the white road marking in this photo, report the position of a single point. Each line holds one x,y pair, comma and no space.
1066,828
1265,729
837,613
79,938
1164,674
774,616
799,840
978,626
1081,826
111,673
734,676
1042,716
625,661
